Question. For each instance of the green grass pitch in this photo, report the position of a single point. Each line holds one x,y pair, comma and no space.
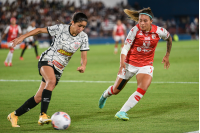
171,104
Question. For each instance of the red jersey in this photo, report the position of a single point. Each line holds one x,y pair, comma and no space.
12,32
143,45
119,29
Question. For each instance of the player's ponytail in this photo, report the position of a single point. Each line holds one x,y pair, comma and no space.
134,15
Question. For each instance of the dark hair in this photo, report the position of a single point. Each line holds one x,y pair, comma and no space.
79,17
134,15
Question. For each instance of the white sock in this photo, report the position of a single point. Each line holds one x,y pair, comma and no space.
108,92
9,56
133,100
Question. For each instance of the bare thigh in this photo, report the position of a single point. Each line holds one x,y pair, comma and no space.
48,74
143,81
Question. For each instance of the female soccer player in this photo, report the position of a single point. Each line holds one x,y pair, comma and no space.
137,59
12,31
119,33
30,41
68,38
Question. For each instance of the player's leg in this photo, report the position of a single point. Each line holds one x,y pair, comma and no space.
24,49
144,78
10,56
48,74
116,47
8,61
112,90
119,84
36,50
29,104
117,39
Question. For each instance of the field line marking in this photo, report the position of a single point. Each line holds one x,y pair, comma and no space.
84,81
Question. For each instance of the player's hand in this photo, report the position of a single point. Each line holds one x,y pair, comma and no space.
81,69
122,67
16,41
166,62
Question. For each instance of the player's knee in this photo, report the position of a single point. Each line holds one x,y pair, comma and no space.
51,82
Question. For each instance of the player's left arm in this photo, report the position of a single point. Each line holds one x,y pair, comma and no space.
81,69
166,57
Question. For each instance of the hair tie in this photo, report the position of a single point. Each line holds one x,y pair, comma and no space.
146,14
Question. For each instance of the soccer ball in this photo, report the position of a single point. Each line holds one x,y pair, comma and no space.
60,120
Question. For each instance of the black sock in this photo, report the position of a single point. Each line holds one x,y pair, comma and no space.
36,52
29,104
46,97
23,50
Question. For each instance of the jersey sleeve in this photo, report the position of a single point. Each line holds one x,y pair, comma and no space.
85,43
55,29
129,40
19,30
163,33
7,29
131,35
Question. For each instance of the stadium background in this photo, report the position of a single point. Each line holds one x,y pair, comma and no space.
177,17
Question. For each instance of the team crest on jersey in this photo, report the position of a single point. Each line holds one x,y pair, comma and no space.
63,52
76,45
153,36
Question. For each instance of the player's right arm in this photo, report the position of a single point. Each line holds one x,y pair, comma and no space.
127,45
31,33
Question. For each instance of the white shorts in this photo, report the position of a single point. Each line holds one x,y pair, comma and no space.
130,71
118,38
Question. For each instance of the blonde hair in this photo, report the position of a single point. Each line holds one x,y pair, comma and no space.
134,15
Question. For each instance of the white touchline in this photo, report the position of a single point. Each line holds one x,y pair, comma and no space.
84,81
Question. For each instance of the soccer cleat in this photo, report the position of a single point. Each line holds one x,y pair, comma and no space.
21,58
10,64
44,119
102,101
38,57
5,63
122,115
13,119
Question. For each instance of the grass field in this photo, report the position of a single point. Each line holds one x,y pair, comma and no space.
171,104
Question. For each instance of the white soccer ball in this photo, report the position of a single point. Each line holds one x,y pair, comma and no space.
60,120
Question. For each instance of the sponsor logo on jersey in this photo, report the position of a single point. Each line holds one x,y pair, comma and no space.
146,38
140,33
57,64
63,52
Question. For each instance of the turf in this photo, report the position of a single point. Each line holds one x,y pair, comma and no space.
166,107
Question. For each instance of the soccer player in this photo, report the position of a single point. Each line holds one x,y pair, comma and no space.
12,30
30,41
68,39
119,33
137,59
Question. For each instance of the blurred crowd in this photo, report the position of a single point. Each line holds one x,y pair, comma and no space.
101,18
